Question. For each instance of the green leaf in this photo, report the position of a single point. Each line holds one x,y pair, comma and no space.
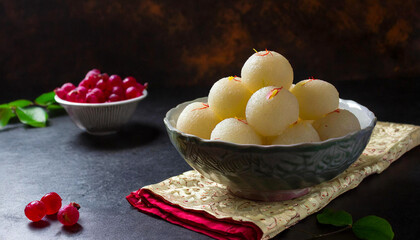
20,103
4,105
54,107
373,228
45,99
33,116
336,218
5,115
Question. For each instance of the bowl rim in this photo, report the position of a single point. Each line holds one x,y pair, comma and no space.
168,124
106,104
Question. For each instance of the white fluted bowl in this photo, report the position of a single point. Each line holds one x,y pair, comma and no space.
101,118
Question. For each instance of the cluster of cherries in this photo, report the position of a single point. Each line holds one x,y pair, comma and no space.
98,87
51,204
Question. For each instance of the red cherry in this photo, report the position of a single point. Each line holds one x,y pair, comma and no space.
95,96
132,92
87,83
140,87
104,76
115,80
67,87
69,214
61,93
114,98
118,90
82,90
102,84
92,72
35,211
129,82
76,96
92,98
52,202
93,79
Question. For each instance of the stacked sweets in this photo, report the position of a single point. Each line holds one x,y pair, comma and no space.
264,107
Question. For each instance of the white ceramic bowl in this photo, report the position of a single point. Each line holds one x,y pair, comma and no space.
271,172
101,118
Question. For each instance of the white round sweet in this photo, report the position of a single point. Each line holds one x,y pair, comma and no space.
271,110
300,132
336,124
235,130
267,68
228,97
197,119
291,87
316,98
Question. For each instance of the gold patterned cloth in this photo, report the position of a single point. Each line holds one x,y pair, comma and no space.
191,191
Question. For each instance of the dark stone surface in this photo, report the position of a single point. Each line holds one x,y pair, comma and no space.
98,172
369,49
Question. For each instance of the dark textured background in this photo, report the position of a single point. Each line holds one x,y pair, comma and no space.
178,43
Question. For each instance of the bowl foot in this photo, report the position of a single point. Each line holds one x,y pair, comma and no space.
270,196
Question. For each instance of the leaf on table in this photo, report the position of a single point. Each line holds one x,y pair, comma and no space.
46,99
335,218
33,116
55,110
373,228
20,103
54,107
5,115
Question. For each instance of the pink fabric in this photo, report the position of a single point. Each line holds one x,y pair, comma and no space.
148,202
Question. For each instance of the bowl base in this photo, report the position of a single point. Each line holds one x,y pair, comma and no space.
276,196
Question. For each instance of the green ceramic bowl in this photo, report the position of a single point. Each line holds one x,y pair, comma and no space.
271,172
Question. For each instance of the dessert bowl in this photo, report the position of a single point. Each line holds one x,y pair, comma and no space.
101,118
271,172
